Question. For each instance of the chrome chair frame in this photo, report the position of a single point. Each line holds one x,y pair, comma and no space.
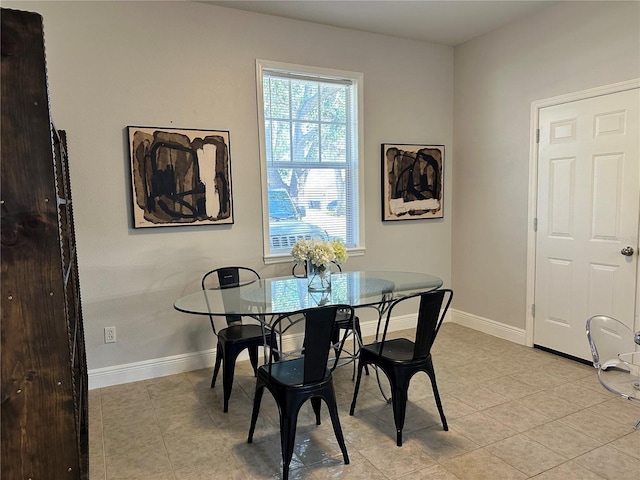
617,365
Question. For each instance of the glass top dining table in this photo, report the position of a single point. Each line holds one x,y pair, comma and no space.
282,295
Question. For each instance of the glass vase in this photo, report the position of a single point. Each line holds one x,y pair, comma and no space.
318,277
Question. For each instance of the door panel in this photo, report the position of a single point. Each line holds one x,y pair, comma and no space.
588,210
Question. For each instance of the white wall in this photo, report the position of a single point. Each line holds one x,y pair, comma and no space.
568,47
189,65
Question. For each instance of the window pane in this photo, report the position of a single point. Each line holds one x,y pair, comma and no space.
279,98
266,88
315,209
334,142
305,147
333,103
311,163
304,100
279,138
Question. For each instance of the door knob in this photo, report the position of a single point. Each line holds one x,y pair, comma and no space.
627,251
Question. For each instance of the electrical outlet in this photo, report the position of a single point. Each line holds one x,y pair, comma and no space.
109,334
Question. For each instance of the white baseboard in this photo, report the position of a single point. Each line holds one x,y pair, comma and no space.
146,369
491,327
160,367
400,322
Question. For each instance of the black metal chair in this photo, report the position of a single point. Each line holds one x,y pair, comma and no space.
401,358
301,374
348,324
236,336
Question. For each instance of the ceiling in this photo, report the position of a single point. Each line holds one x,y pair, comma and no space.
448,22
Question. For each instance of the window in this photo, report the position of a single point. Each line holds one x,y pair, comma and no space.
309,145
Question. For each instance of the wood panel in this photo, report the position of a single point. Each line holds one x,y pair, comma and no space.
43,368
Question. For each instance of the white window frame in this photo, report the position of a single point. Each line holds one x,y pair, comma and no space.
357,79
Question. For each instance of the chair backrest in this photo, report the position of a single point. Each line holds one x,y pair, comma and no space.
431,312
316,345
227,277
608,338
299,270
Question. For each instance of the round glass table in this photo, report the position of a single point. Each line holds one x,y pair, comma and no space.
282,295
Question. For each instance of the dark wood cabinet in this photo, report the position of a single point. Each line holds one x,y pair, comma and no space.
44,421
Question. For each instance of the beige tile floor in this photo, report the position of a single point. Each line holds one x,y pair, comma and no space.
513,412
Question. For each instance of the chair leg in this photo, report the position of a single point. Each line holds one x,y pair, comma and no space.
355,391
257,398
432,376
356,349
228,369
358,334
399,402
216,368
316,403
288,420
336,341
445,426
273,345
337,429
253,358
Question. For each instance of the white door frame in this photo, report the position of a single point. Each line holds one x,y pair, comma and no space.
533,183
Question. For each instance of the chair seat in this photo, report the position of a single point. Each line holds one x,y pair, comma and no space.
289,373
396,350
236,333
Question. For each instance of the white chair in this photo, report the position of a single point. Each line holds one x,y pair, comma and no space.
616,357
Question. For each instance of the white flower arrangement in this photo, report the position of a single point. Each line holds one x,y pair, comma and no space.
320,253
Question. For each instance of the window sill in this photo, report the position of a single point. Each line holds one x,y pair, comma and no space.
287,258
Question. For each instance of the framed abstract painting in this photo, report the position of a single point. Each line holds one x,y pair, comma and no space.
180,177
412,181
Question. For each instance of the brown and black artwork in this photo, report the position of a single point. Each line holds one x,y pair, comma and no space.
180,177
412,181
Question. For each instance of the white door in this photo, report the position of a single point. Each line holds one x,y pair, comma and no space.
587,213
